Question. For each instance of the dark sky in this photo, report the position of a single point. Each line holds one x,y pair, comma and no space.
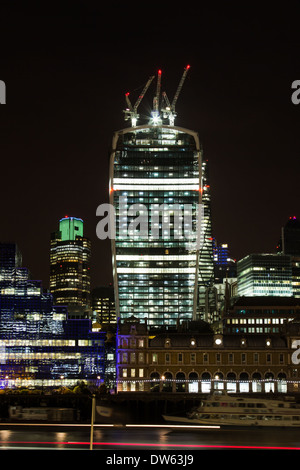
67,69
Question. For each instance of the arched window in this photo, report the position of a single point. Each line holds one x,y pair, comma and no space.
269,382
180,382
231,382
218,381
256,382
244,382
205,382
154,384
193,382
282,383
167,382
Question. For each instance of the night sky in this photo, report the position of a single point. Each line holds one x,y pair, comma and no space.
66,71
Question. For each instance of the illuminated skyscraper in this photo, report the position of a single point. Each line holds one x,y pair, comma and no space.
39,344
157,187
265,274
69,263
289,244
103,304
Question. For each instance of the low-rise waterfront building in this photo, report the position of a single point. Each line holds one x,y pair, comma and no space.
194,359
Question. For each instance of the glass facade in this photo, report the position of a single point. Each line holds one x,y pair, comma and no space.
39,345
265,274
289,244
70,254
224,265
206,304
155,258
103,305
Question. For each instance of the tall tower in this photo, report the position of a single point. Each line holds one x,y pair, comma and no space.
70,254
156,187
289,244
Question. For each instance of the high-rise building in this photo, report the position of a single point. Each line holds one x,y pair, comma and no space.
39,344
158,188
265,274
10,259
70,254
289,244
103,305
224,264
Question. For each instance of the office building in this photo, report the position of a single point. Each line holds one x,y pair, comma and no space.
40,346
224,264
260,315
103,305
158,189
70,255
289,244
265,274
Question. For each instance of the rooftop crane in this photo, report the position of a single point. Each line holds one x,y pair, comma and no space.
169,109
131,112
179,88
156,97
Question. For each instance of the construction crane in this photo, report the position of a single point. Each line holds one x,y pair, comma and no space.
131,111
157,95
187,68
169,110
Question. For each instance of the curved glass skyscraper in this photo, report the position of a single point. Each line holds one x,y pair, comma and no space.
157,187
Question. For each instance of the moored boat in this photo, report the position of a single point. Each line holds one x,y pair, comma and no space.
228,410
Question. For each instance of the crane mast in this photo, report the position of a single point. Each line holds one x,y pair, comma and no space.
167,109
131,111
157,95
179,88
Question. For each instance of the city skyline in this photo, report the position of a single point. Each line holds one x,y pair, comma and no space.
65,96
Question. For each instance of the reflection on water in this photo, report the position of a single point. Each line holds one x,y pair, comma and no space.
5,435
159,438
61,438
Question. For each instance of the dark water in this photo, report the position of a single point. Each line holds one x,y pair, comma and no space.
122,438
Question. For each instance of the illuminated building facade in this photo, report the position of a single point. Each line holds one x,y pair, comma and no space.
40,346
154,275
289,244
70,254
261,315
156,173
265,274
224,265
192,359
103,305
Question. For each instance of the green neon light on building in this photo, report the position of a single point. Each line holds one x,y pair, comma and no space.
70,228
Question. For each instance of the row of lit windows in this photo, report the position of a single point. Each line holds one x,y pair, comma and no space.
44,342
191,358
244,321
8,356
254,330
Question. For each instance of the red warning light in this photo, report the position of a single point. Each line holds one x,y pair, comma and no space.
188,67
159,72
127,94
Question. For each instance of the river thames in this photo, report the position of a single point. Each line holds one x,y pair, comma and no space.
106,437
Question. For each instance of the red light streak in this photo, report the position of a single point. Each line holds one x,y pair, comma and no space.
147,444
